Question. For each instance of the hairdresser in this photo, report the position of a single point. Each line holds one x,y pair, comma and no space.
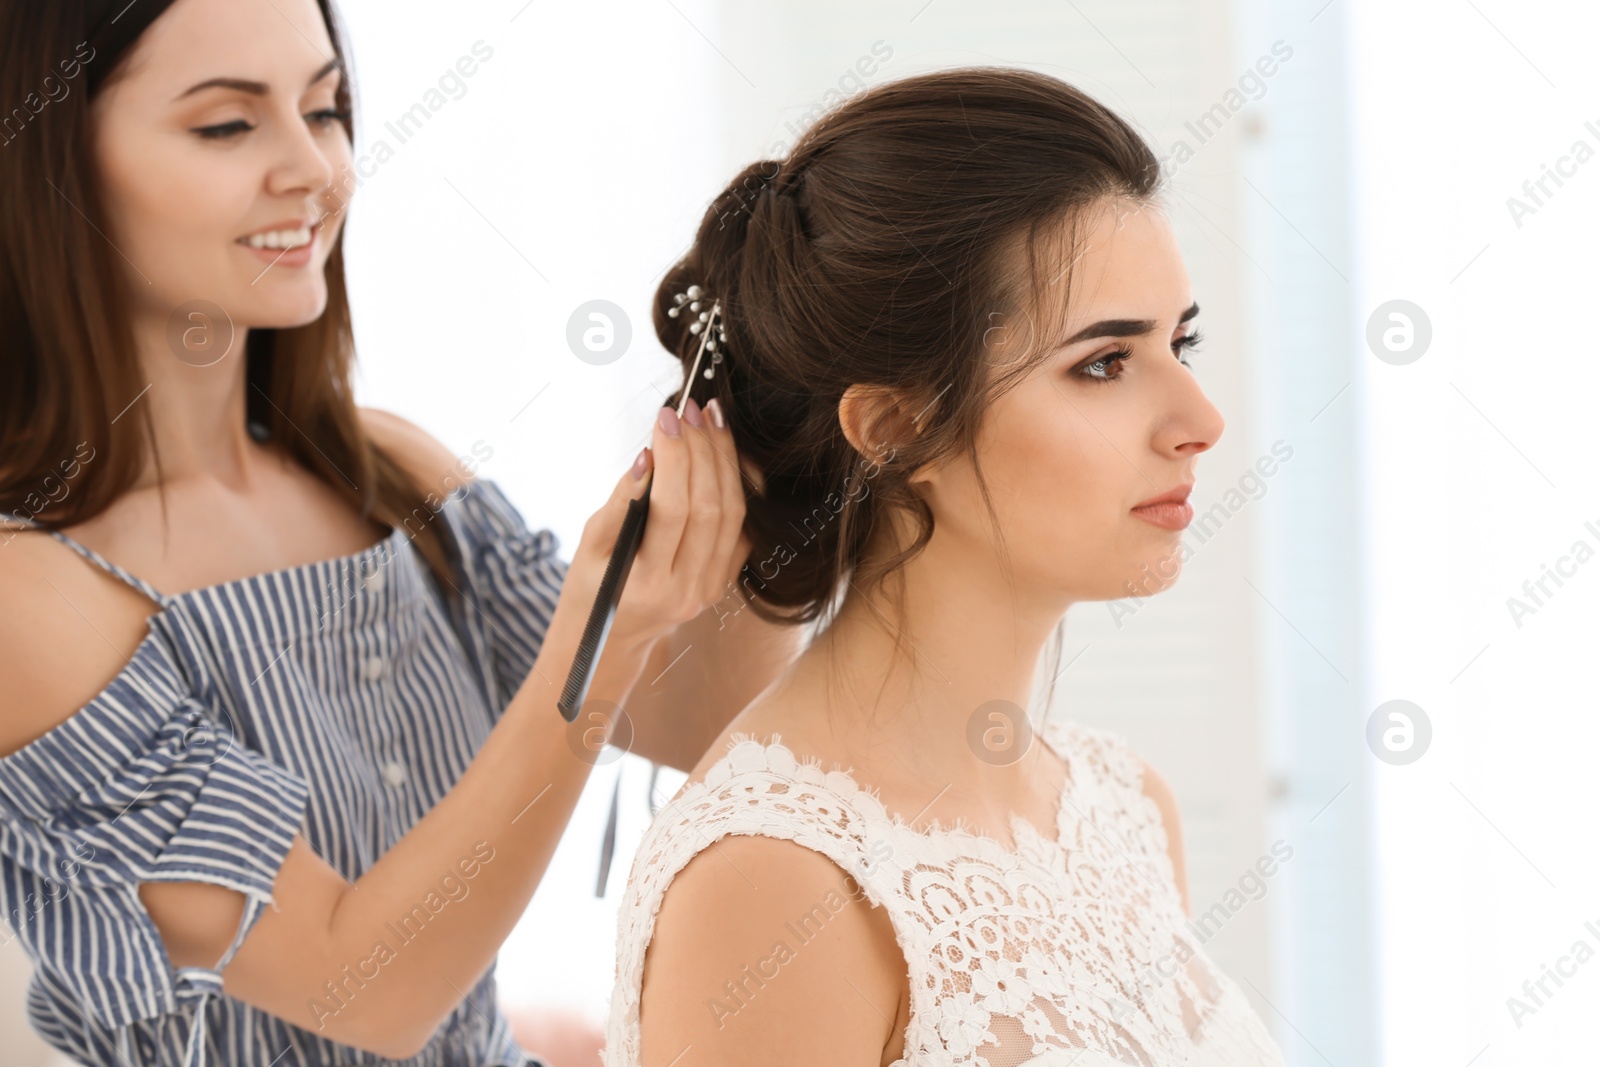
281,761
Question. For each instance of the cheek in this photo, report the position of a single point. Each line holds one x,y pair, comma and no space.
334,201
169,204
1056,451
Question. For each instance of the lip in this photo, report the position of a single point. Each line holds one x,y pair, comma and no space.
277,257
1172,496
1170,510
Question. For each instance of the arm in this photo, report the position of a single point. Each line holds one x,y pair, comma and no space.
502,819
750,890
703,674
696,679
1157,789
76,635
709,669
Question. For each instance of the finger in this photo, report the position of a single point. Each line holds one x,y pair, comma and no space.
669,493
600,531
631,485
699,543
727,560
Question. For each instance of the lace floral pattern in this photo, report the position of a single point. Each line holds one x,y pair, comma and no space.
1071,950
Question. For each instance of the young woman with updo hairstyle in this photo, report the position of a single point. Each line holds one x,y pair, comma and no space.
957,323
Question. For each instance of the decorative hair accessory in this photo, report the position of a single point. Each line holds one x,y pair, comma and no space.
709,326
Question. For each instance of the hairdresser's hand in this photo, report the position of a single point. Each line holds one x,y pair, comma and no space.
694,544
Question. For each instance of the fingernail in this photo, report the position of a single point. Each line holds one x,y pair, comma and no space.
669,422
714,409
691,414
640,462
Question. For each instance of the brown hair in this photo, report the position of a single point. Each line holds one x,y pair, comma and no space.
883,251
68,369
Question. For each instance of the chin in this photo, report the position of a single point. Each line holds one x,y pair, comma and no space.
284,311
1156,574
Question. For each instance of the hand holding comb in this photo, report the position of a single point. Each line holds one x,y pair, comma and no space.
631,534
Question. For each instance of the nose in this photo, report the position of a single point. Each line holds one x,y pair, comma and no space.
1194,423
302,166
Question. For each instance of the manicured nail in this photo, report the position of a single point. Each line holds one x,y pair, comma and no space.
714,409
640,462
691,414
669,422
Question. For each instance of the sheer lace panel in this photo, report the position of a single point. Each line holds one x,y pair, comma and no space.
1072,950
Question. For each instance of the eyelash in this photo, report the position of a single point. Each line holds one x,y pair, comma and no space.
228,129
1182,344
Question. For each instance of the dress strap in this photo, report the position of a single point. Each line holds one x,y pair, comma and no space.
95,558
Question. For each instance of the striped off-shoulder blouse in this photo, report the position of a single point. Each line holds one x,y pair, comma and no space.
340,699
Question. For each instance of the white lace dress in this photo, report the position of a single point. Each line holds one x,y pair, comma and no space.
1055,952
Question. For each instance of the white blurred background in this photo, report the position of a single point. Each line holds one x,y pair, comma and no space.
1409,498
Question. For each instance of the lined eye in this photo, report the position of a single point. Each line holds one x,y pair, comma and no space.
226,129
1110,361
1108,368
1187,342
329,115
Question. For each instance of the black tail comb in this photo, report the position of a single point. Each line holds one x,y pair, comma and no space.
605,604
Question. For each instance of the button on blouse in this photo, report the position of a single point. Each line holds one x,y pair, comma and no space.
340,700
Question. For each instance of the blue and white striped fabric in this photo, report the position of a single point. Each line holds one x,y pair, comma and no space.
341,700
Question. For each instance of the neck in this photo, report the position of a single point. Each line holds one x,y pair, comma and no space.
197,412
954,667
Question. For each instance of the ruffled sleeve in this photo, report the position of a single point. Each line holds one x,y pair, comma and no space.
143,784
515,576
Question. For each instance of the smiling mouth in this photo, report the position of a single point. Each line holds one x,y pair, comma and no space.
282,240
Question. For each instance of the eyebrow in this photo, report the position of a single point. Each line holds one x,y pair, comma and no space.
253,88
1126,327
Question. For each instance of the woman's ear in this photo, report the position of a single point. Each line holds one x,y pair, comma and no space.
878,422
874,420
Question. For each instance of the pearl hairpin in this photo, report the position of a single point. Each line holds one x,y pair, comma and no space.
708,326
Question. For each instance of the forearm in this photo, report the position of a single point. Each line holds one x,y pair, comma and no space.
702,675
501,822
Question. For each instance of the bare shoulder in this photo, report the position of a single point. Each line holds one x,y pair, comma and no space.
68,628
432,466
1157,789
763,985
